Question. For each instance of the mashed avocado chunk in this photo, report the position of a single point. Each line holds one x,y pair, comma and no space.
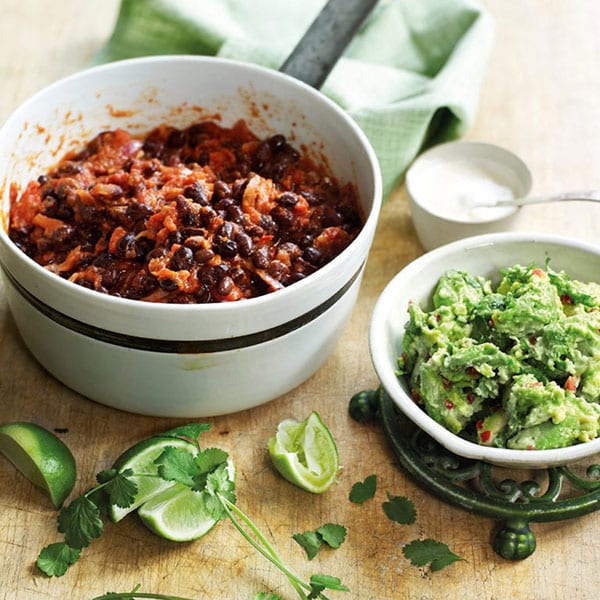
514,366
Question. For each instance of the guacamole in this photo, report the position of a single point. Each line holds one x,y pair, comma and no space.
516,365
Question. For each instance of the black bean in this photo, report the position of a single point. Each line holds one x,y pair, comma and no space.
175,237
227,248
276,142
328,216
224,203
260,257
238,275
183,258
227,230
235,213
197,193
221,189
127,247
288,199
297,276
153,148
282,216
207,275
203,295
103,191
195,242
261,156
67,168
43,179
225,286
186,212
312,255
207,214
277,269
137,211
203,256
238,187
168,285
176,139
254,231
267,223
244,242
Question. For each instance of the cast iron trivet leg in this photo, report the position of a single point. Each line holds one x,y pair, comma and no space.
524,497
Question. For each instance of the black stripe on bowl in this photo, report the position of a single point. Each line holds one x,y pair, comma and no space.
179,346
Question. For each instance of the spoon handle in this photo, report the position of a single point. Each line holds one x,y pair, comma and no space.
581,196
326,39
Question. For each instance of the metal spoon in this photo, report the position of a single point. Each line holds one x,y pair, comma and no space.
579,196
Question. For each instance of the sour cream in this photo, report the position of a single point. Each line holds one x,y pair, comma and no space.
463,190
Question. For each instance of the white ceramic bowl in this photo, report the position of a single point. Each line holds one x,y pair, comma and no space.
480,255
442,182
182,360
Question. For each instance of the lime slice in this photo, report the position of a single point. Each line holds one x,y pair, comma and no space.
140,459
304,452
179,513
41,457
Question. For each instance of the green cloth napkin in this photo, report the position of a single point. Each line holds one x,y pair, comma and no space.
410,78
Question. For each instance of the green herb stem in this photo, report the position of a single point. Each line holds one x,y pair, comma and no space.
265,549
134,595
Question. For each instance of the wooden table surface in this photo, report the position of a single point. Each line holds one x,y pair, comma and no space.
540,98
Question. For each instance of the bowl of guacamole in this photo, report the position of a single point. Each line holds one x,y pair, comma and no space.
492,346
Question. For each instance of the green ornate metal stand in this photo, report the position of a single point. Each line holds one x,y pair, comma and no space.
479,487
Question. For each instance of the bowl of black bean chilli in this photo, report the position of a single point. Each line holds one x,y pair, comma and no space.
183,236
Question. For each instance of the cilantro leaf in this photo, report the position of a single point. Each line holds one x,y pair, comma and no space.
319,582
267,596
80,522
174,465
191,431
423,552
121,489
211,458
332,534
363,490
106,475
400,509
206,462
55,559
310,541
218,484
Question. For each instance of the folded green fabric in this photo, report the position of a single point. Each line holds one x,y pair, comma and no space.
410,78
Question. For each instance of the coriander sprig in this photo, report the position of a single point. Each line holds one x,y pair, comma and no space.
81,521
207,472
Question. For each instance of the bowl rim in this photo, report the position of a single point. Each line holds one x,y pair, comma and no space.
389,380
158,310
505,153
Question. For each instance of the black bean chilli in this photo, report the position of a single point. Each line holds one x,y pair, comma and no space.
196,215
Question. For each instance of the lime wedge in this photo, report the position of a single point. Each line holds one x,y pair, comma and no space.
41,457
140,459
177,514
304,452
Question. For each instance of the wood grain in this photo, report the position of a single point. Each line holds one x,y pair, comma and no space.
540,99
